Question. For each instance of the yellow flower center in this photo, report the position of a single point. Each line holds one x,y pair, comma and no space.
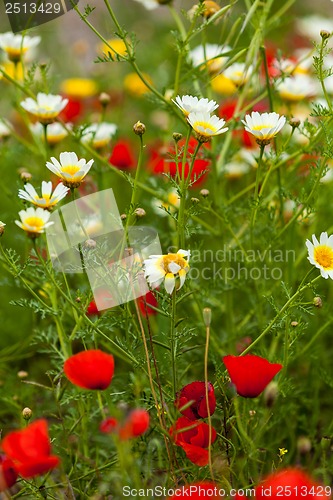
35,222
173,257
323,255
71,169
206,126
261,127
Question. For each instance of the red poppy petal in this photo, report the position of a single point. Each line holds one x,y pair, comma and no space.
197,455
29,443
92,369
250,373
36,467
281,483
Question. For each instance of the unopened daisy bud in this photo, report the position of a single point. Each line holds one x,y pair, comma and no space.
207,316
294,122
140,212
252,413
139,128
25,176
304,445
325,443
195,200
26,413
2,228
177,136
90,244
22,374
78,300
294,324
270,394
104,99
204,193
123,216
325,34
317,302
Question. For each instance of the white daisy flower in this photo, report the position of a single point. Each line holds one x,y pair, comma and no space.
167,268
48,199
99,134
206,126
321,254
149,4
16,45
264,126
209,54
191,104
296,88
55,132
70,169
46,108
34,221
238,73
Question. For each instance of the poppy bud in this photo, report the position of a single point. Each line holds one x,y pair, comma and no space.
207,316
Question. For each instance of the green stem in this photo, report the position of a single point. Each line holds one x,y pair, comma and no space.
173,346
300,289
256,191
181,212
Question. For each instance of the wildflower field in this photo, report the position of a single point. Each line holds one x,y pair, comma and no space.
166,250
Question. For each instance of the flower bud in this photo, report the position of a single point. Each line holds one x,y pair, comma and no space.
304,445
25,176
195,200
139,128
325,34
207,316
294,324
294,122
22,374
2,228
90,244
204,193
177,136
252,413
325,443
104,99
317,302
270,394
140,212
26,413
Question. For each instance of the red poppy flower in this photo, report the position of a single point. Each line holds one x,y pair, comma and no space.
8,473
147,300
30,449
161,161
73,110
108,425
194,439
250,374
92,369
196,392
289,483
203,489
136,424
92,309
122,155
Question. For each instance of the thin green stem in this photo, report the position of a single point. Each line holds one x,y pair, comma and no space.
289,302
173,344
